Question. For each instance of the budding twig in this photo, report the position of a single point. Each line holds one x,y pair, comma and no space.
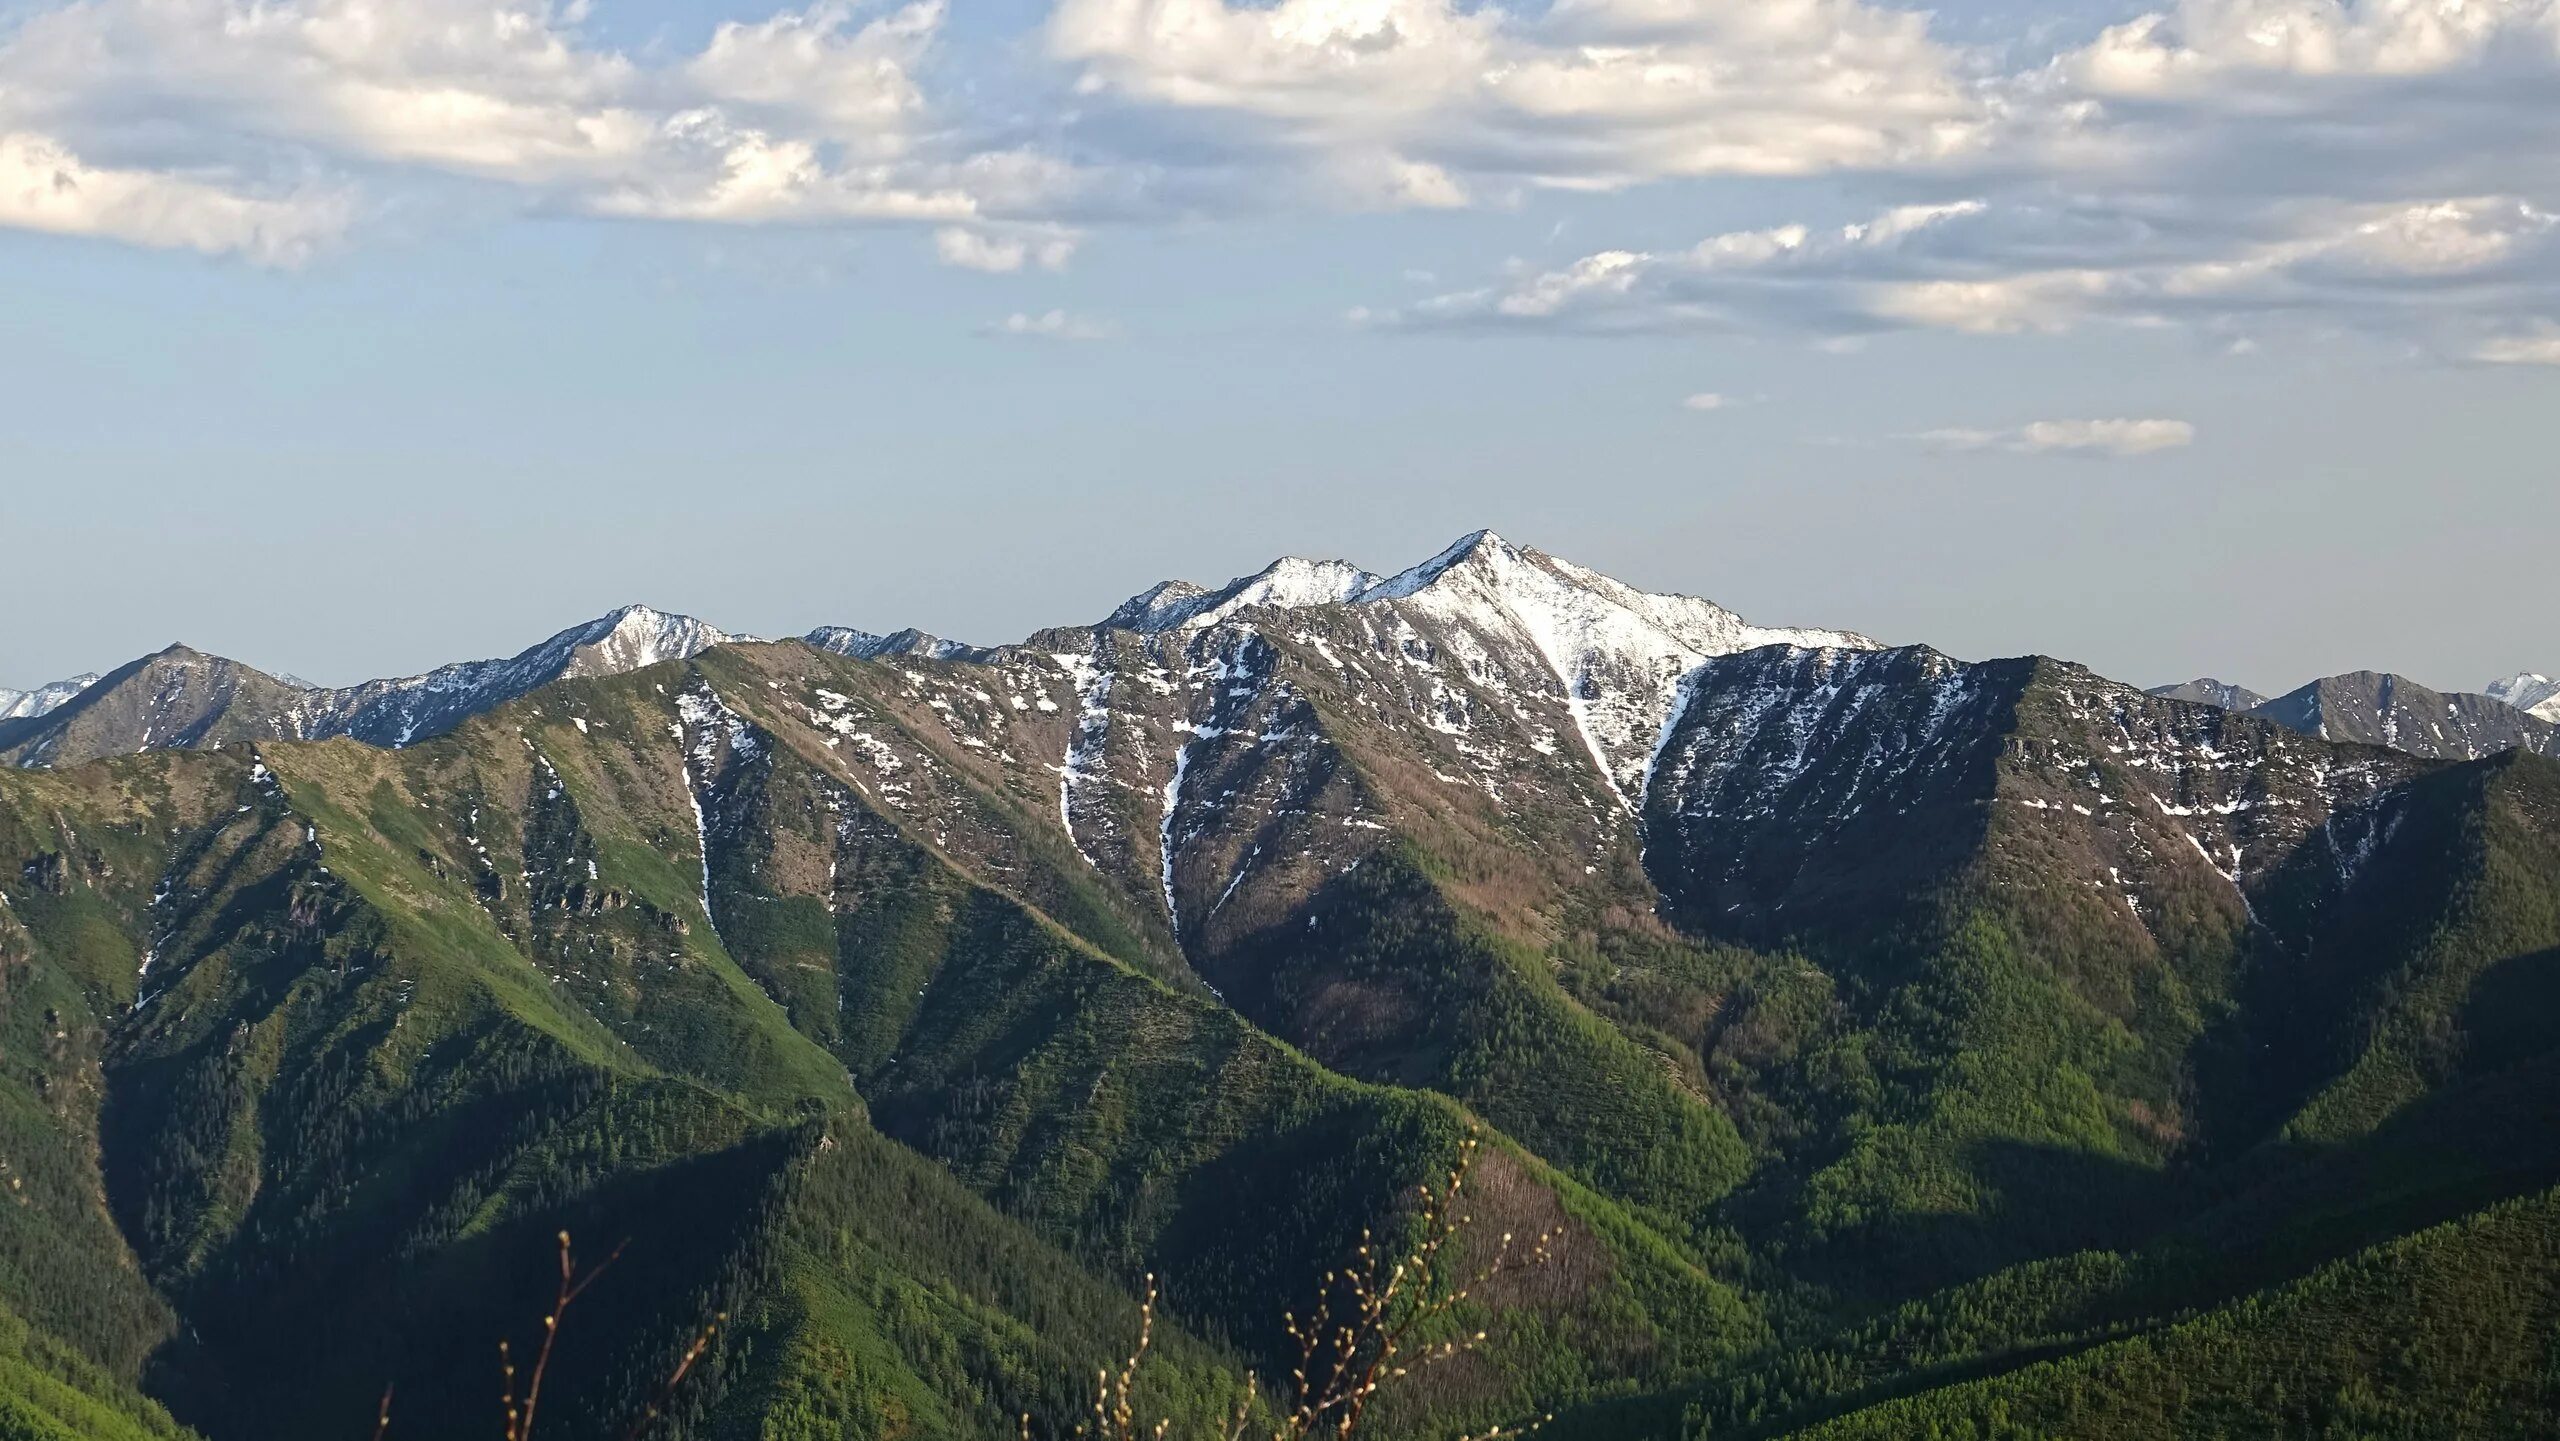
1344,1360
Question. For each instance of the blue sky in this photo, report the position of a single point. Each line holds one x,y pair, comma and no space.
348,338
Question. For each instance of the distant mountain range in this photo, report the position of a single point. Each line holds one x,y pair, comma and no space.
2377,708
183,698
2205,690
1896,1045
22,704
2538,694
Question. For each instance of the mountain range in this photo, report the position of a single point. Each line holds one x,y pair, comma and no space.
181,697
2381,709
1895,1045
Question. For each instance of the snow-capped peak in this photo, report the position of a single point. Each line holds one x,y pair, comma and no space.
1291,581
1406,582
845,640
1286,584
44,699
1617,653
863,645
1162,606
2537,695
633,637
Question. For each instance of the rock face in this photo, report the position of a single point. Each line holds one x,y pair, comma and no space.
1815,792
2377,708
183,698
177,698
2205,690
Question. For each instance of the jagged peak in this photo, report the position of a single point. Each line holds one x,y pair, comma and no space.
44,699
1288,583
1823,658
845,640
864,645
2532,692
629,638
1161,606
633,615
182,656
642,620
2212,691
1471,546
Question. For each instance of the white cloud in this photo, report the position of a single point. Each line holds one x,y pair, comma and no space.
1707,400
2113,438
1047,247
45,187
2193,47
2537,346
1049,325
2445,266
814,68
808,115
2317,167
1420,102
2232,166
1790,274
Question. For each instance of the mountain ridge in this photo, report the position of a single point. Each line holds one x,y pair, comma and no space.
185,697
2208,691
2381,708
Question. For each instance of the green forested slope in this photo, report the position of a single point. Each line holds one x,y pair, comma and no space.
407,1013
2452,1332
756,964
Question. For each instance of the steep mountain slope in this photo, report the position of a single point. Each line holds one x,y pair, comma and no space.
397,712
2205,690
2538,695
1370,828
2373,708
173,698
915,740
2034,896
186,699
2111,1008
1362,823
1933,764
24,704
664,909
